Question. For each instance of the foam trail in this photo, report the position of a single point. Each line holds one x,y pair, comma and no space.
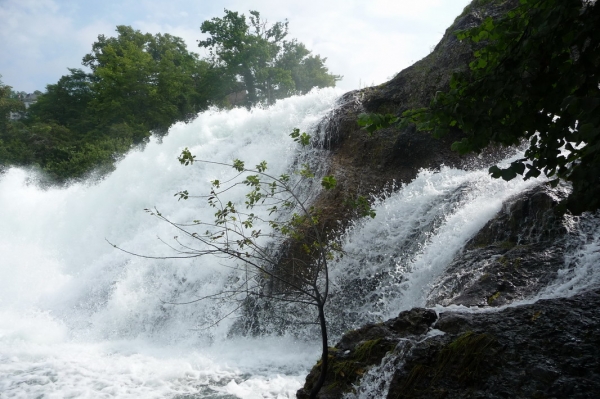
582,261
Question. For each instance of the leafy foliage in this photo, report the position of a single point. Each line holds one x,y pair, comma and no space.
7,104
374,122
269,66
236,233
141,84
144,79
534,77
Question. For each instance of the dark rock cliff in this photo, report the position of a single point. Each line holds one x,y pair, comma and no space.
513,257
549,349
367,164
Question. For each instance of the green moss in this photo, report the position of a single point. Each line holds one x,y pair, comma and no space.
346,370
363,351
343,370
492,298
506,244
464,356
463,360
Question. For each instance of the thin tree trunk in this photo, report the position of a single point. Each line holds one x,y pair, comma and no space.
250,87
324,356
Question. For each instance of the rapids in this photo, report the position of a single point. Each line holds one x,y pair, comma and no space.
80,319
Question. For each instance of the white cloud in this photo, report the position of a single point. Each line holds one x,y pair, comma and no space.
33,36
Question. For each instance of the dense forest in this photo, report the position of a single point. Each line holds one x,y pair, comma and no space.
138,84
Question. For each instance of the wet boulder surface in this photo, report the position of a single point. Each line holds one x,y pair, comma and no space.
494,344
549,349
514,256
361,349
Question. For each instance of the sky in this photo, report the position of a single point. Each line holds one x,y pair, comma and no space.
366,41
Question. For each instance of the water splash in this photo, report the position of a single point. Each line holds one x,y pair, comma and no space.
80,318
392,259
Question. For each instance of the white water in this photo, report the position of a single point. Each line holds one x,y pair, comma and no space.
417,232
80,319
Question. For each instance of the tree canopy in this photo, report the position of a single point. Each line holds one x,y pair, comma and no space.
535,77
139,83
7,104
258,56
144,79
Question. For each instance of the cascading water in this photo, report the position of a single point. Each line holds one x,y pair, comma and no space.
418,230
79,318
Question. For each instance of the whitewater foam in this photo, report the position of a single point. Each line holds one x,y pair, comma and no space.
82,319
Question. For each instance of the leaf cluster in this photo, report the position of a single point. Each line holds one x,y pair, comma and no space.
374,122
535,78
269,66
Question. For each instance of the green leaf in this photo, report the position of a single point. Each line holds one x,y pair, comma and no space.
261,167
186,158
238,165
329,182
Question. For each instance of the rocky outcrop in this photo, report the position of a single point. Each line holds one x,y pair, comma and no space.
367,164
492,348
361,349
549,349
513,257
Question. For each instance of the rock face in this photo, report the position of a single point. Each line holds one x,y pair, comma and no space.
360,349
549,349
513,257
366,164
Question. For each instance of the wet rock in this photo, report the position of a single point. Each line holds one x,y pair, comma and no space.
514,256
550,349
359,350
412,322
365,164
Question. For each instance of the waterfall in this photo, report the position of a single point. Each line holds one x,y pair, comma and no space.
79,318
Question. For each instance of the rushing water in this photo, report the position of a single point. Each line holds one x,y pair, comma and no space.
81,319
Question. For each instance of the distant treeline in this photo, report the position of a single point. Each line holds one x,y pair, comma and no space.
140,84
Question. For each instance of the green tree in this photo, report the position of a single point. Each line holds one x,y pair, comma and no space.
535,76
308,71
236,232
144,80
268,66
8,104
65,102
